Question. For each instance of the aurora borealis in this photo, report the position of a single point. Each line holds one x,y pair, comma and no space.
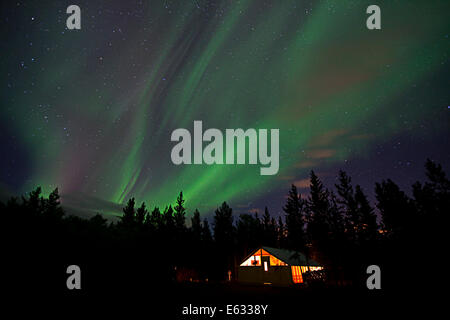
91,111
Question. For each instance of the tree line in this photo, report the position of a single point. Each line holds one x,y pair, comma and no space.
337,227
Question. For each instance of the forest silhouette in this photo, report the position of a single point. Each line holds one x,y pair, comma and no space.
144,248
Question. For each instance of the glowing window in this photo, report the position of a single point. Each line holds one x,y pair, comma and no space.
266,268
276,262
253,261
296,274
312,269
315,268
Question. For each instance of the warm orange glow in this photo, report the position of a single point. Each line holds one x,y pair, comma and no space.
262,252
306,269
296,274
276,262
255,260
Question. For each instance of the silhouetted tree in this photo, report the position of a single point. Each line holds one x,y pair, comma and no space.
206,231
336,218
224,239
169,223
318,208
295,220
394,205
349,205
319,216
34,203
180,212
98,221
128,217
52,206
155,218
248,233
269,237
433,197
196,224
338,248
223,225
367,229
141,213
430,228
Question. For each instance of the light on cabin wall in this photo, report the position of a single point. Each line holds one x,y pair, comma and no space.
266,268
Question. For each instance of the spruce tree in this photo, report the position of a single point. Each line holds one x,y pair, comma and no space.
196,224
295,220
128,217
319,216
368,227
348,204
223,225
206,232
155,218
168,219
52,206
141,213
180,212
394,205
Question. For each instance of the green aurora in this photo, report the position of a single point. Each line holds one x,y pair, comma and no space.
92,110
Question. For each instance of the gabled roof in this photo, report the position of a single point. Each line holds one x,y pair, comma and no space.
292,258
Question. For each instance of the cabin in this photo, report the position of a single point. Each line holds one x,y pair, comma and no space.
274,266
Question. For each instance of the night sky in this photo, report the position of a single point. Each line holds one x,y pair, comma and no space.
91,111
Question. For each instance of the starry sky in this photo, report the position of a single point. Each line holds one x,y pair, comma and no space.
91,111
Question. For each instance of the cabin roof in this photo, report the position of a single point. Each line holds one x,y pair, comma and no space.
292,258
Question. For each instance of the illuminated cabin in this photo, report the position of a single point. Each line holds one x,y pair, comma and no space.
276,266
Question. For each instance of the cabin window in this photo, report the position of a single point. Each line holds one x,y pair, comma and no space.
315,268
266,268
306,269
296,274
276,262
253,261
